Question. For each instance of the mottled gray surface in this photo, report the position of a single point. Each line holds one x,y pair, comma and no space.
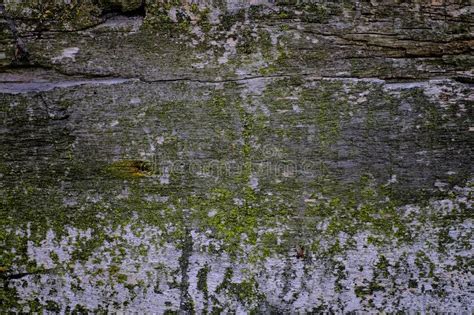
236,157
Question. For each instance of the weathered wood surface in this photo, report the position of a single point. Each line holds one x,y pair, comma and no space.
236,157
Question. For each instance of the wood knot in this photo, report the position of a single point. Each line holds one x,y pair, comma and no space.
131,168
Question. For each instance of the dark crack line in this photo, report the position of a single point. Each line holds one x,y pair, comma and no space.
393,79
77,79
257,77
21,53
186,304
464,38
16,276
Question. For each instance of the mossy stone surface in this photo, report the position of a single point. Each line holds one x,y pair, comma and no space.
164,157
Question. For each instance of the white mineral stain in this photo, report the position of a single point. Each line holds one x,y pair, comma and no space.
297,109
253,182
67,53
135,101
286,281
165,177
